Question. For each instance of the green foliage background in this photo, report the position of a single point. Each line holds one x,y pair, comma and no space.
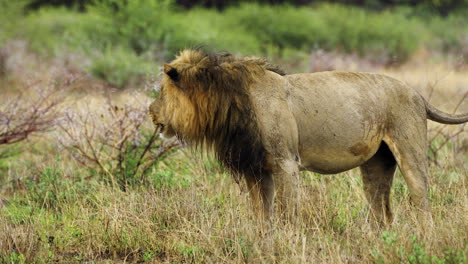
127,39
440,6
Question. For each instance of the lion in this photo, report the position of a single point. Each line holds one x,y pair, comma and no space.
266,126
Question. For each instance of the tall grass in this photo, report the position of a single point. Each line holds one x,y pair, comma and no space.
62,216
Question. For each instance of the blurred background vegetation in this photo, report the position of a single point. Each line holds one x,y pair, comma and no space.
124,40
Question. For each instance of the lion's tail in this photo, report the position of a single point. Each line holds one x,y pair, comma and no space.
444,118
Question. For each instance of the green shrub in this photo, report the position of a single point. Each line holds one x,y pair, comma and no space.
148,25
330,27
57,31
119,66
282,26
210,29
138,24
450,33
11,13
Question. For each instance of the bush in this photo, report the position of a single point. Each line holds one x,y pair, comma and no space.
138,23
451,33
210,29
56,31
119,66
331,27
12,12
115,143
32,112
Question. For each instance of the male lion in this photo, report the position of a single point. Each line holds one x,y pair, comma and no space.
266,126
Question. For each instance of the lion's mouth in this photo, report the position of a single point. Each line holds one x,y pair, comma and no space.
160,127
165,131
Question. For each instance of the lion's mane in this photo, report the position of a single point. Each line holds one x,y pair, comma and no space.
209,106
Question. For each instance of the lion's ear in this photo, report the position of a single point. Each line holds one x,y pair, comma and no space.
171,72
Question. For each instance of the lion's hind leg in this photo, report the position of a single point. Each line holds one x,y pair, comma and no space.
377,176
409,146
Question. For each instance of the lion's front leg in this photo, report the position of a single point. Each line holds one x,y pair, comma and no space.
282,185
285,174
262,191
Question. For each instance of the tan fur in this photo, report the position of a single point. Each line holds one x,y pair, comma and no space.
266,126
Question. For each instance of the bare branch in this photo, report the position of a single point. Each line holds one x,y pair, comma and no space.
35,110
448,137
116,141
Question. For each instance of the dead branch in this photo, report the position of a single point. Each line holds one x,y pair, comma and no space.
36,110
447,136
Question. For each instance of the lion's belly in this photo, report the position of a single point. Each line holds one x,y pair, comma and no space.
338,144
335,160
339,128
334,148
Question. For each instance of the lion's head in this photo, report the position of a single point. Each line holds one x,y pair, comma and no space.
204,101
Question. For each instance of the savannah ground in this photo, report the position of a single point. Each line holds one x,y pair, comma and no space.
99,187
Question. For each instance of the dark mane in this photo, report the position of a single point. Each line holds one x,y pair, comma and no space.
225,121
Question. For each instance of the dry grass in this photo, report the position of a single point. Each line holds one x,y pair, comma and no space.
204,218
189,210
